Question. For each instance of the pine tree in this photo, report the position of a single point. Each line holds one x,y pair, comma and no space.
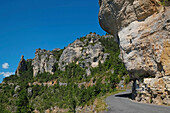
23,103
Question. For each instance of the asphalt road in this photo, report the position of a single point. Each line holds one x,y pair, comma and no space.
120,104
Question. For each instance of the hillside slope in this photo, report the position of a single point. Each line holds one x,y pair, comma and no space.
65,80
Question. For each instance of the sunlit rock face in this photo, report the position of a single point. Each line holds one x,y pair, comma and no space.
87,52
44,61
143,29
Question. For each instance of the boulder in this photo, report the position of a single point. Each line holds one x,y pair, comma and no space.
29,90
17,89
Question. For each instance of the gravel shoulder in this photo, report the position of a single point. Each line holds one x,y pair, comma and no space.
120,104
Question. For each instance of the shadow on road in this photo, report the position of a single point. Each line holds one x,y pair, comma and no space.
126,95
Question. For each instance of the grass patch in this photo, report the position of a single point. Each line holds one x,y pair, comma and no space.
100,101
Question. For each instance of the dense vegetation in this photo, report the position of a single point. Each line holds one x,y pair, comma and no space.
163,2
74,91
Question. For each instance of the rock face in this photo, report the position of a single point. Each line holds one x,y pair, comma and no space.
21,66
43,61
29,91
86,51
117,14
143,29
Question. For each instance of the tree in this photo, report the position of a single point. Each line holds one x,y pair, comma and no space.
23,103
3,110
100,66
73,105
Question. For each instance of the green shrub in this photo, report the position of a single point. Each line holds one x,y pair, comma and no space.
163,2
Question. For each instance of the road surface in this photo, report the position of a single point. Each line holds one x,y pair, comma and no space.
119,103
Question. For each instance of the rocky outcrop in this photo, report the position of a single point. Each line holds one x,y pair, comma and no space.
86,51
29,91
21,66
44,61
17,88
117,14
143,29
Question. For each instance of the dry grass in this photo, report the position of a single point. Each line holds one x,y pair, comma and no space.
100,101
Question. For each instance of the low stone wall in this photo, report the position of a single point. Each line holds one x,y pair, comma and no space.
154,90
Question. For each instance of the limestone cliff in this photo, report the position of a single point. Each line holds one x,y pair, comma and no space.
43,61
143,30
87,51
21,66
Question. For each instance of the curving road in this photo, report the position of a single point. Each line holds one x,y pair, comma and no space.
120,104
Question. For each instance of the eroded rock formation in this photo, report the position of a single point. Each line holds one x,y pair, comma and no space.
43,61
87,52
143,29
21,66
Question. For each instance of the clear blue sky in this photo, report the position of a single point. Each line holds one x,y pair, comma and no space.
26,25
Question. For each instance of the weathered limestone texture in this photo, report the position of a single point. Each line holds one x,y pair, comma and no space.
44,61
21,66
87,52
143,29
